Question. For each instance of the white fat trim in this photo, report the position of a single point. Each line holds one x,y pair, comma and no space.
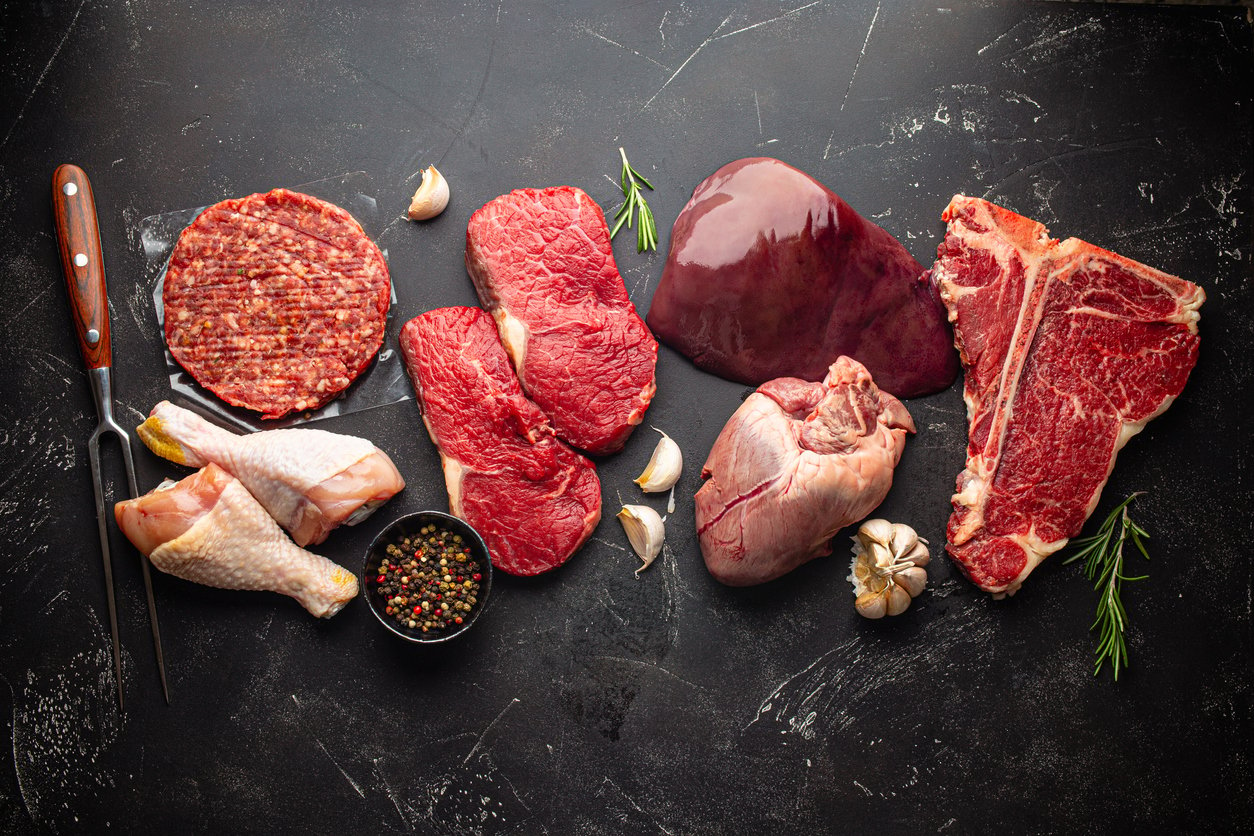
1035,550
1186,312
452,469
969,497
514,336
971,403
1126,432
453,475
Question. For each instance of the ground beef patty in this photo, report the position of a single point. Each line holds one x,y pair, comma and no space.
275,302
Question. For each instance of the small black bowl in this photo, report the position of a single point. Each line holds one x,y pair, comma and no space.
409,526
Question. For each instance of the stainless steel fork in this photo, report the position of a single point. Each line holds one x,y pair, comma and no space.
82,260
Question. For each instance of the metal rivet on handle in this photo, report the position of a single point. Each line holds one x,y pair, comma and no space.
80,259
70,189
93,336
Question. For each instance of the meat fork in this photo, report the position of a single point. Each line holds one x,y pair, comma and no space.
82,261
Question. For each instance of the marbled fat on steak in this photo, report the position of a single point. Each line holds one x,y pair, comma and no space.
534,499
541,262
1069,351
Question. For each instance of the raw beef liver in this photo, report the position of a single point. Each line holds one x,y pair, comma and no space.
534,499
771,274
797,462
1069,351
541,262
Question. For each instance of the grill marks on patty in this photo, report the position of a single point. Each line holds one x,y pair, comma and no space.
275,302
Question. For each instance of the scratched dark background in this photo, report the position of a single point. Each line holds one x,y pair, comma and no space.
593,701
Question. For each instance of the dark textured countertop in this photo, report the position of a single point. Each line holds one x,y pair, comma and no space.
592,700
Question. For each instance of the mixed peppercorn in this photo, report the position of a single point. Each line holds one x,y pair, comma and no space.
429,582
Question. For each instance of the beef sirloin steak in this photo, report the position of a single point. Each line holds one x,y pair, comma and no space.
1069,351
275,302
541,262
534,499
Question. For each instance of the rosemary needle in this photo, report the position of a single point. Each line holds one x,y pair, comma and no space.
635,207
1103,565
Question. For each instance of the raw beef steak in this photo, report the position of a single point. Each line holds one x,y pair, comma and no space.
541,262
275,302
797,462
534,500
1069,351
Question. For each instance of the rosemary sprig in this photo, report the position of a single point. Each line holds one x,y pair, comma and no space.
635,205
1103,565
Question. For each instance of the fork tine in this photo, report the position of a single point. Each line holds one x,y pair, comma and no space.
93,454
128,459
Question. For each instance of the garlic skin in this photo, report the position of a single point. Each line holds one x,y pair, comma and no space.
664,467
645,531
887,570
431,197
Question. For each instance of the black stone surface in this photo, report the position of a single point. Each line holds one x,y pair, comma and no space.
593,701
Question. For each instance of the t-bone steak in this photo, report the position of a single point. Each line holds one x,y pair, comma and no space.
534,499
275,302
541,262
1069,351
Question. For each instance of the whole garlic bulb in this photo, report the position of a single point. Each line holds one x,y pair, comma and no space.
887,570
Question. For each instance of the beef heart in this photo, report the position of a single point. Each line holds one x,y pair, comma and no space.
797,462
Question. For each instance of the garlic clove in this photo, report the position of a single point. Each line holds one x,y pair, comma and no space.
871,605
898,599
902,540
664,467
875,532
918,554
912,580
645,531
431,197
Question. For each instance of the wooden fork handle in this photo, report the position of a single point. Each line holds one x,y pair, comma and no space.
82,262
